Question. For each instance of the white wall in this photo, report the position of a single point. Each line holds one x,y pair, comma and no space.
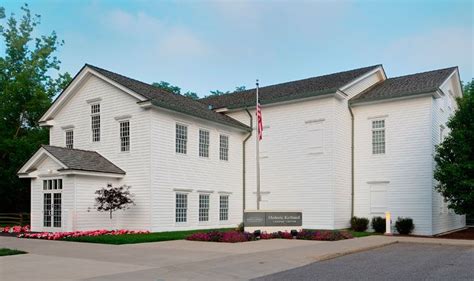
296,159
136,162
406,167
172,172
47,169
342,150
444,219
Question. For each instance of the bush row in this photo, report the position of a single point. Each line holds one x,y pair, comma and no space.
403,225
237,236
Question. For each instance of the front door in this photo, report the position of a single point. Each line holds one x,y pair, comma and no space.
52,204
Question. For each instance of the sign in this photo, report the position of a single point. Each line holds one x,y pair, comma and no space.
273,219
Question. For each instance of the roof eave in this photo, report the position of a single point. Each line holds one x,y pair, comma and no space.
156,104
306,96
434,93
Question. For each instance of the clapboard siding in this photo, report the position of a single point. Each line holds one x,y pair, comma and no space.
47,169
172,172
406,167
444,219
294,174
342,151
136,163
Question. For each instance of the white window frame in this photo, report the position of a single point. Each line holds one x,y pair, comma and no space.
95,122
53,187
204,140
181,208
224,147
378,137
69,138
204,204
223,207
441,133
181,138
124,132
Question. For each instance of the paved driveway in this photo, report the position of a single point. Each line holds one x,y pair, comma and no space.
175,260
395,262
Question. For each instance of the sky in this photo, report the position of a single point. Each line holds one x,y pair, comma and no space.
208,45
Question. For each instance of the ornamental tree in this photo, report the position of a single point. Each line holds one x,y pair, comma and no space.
111,199
29,79
455,157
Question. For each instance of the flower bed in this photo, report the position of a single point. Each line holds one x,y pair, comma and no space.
15,229
235,236
62,235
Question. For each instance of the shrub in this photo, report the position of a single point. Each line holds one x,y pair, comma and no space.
359,224
404,225
378,224
240,227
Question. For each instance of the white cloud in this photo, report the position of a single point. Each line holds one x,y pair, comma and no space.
149,34
436,49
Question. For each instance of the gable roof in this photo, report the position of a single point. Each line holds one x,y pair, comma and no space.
310,87
405,86
84,160
170,101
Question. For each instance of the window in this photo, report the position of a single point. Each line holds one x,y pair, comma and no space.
224,147
203,143
53,184
224,207
95,122
203,207
441,133
47,209
52,202
181,207
69,139
56,209
125,135
181,138
378,137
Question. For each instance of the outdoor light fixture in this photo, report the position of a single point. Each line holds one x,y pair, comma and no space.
257,233
294,232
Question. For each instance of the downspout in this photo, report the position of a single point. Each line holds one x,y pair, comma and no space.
243,159
352,160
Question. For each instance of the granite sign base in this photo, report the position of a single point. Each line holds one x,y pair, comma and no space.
272,220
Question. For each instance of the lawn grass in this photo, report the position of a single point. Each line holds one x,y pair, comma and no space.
358,234
139,238
10,252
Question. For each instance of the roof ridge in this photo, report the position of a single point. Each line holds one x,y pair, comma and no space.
171,101
423,72
133,79
293,81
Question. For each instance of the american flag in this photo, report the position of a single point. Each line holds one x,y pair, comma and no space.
259,121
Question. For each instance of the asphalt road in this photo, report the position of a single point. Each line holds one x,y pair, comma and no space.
395,262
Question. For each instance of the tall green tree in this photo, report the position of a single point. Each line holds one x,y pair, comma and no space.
167,87
27,87
455,157
174,89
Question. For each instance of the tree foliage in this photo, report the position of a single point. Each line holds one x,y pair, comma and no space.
27,86
111,199
455,157
174,89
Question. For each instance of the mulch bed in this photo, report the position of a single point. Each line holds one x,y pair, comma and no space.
467,234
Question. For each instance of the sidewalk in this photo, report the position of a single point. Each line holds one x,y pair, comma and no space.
178,260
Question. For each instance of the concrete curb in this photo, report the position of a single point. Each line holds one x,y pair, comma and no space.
344,253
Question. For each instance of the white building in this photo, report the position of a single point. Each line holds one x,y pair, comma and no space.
343,144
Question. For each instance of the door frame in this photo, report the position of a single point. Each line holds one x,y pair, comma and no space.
52,186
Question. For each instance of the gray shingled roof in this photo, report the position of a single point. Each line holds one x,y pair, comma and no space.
164,99
310,87
404,86
84,160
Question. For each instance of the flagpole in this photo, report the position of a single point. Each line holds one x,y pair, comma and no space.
257,140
